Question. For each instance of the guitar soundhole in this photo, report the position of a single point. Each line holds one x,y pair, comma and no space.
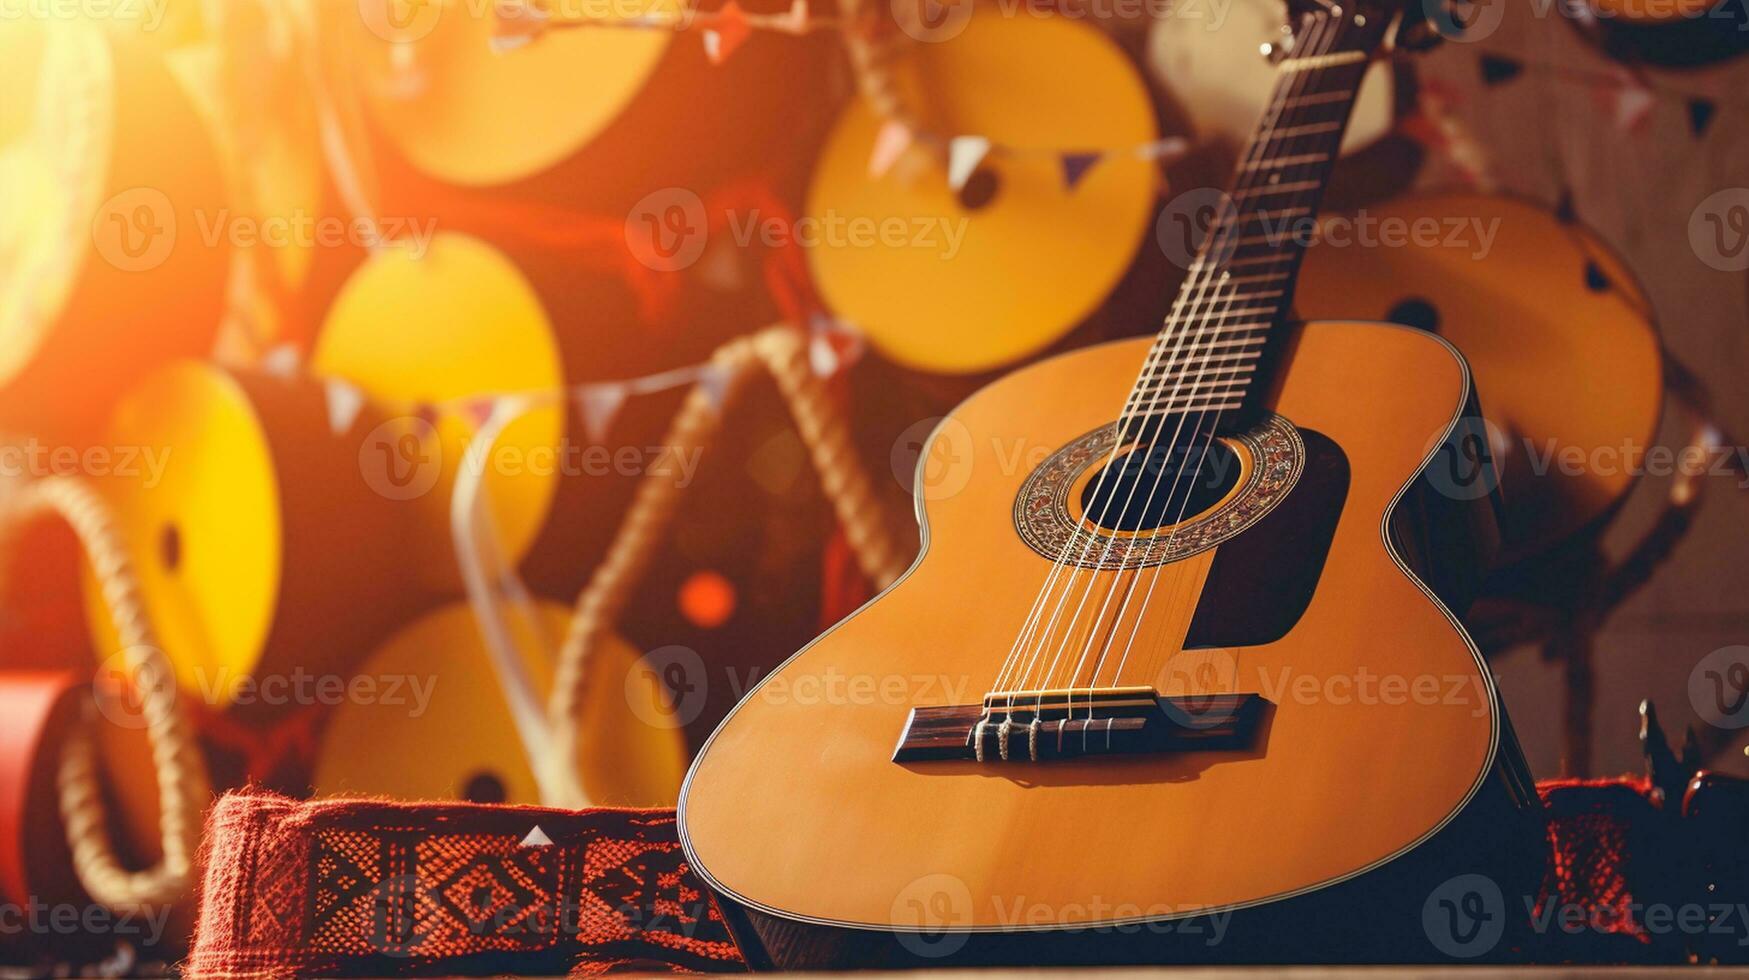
1154,486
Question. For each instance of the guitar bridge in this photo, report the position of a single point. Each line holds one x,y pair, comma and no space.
1066,723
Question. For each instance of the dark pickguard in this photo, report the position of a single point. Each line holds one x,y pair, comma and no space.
1262,581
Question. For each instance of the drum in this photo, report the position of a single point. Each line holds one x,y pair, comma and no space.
419,330
1558,334
436,728
109,181
262,526
593,118
1011,264
1679,34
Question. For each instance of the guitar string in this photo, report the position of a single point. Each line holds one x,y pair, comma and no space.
1333,142
1320,37
1012,664
1189,338
1183,591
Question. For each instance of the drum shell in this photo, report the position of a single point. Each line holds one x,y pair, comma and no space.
124,314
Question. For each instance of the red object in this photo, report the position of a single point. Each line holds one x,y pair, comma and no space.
354,887
37,709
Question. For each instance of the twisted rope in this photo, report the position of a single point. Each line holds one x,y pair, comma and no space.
783,353
183,788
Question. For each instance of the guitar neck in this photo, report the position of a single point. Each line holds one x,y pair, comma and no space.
1240,285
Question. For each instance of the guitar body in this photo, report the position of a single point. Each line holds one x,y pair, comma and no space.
797,810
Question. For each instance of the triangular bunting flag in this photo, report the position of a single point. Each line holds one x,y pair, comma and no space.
713,381
517,25
1497,69
479,411
1164,151
536,838
890,144
1075,167
1700,116
730,32
600,405
344,404
832,345
964,153
283,361
1624,95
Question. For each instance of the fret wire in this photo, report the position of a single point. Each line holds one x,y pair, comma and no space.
1285,165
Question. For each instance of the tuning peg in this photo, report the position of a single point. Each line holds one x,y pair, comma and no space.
1414,35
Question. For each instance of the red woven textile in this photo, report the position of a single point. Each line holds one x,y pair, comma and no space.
352,887
349,888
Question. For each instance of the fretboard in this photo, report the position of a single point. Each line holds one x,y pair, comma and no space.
1240,284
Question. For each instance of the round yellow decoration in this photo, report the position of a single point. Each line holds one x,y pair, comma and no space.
940,286
460,320
433,725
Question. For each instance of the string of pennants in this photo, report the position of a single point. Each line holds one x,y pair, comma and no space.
1631,95
832,348
727,28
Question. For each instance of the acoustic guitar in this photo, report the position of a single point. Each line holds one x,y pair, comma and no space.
1172,663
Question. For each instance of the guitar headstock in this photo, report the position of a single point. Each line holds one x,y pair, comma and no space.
1355,25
